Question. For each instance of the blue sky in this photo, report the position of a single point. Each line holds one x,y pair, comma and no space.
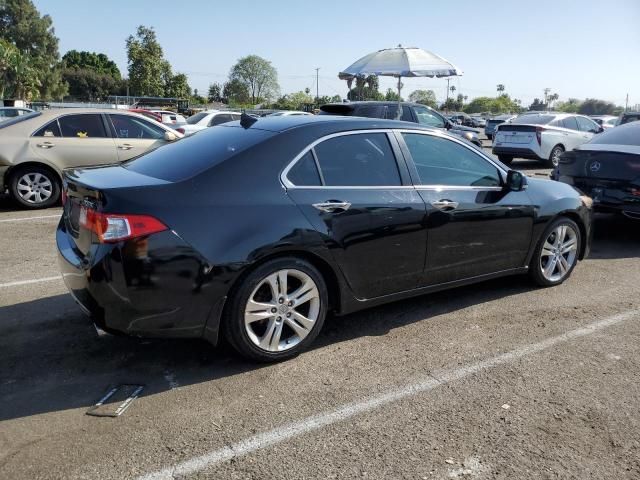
578,48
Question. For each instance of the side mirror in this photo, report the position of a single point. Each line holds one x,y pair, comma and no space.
448,125
170,136
516,181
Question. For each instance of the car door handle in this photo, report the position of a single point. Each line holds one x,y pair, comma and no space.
445,204
125,146
332,206
46,145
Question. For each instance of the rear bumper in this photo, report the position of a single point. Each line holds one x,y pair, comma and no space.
517,152
607,198
155,286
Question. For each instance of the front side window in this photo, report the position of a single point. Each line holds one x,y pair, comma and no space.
193,119
132,128
429,118
82,126
440,161
363,159
587,125
220,119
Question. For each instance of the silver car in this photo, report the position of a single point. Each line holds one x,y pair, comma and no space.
35,148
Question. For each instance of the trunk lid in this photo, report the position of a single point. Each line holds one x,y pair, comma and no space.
509,134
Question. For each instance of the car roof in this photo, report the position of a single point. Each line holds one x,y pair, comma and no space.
338,123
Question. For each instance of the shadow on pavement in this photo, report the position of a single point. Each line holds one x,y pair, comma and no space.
615,236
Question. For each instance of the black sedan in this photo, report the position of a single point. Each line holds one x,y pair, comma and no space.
255,230
607,168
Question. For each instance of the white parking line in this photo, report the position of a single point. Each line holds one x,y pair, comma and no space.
29,218
28,282
316,422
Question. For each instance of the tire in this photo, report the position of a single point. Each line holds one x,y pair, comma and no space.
278,331
34,187
490,137
547,250
506,159
554,156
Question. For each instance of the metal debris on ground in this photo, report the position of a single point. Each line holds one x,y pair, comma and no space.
116,401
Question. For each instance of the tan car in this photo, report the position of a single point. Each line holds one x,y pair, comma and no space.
35,148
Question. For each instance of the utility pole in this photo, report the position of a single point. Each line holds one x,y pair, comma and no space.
626,103
317,85
446,105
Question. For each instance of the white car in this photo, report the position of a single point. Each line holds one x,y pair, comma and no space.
605,121
10,112
288,113
542,136
168,117
206,119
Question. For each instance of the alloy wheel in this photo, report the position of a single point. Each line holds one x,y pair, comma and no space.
34,187
555,156
559,253
282,310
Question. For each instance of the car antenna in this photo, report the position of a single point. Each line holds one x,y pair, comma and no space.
247,120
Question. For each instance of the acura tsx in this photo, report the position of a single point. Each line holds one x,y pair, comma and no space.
255,230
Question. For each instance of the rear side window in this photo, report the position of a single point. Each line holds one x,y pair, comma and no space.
82,126
429,118
587,125
51,129
370,111
135,128
392,110
193,119
570,122
189,156
363,159
220,119
622,135
305,173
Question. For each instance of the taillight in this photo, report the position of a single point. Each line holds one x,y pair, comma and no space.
181,130
116,227
63,195
539,131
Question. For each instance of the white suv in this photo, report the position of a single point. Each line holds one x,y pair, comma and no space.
542,136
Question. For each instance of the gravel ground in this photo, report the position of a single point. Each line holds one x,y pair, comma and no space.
568,410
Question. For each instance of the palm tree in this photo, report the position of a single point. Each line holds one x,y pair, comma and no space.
500,88
552,98
453,89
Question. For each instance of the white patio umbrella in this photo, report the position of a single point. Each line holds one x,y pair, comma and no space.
400,62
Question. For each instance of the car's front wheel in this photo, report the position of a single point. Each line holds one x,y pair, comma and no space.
556,254
506,159
34,187
277,311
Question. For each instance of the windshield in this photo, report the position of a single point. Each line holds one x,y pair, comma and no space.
193,119
190,156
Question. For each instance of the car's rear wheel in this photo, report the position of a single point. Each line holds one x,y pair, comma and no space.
277,311
34,187
506,159
554,156
556,254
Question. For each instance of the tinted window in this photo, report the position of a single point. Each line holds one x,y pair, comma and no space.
82,126
364,159
392,110
371,111
219,119
49,130
534,119
193,119
587,125
304,172
132,128
622,135
570,122
630,118
190,156
442,162
429,118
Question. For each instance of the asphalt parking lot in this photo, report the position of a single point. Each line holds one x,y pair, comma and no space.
494,380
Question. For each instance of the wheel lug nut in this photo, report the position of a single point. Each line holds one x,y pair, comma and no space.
274,310
279,319
290,304
281,300
288,314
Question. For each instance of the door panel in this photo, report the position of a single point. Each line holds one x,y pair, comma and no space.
378,242
135,136
488,231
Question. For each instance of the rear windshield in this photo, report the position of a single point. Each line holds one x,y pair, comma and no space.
534,119
193,119
188,157
622,135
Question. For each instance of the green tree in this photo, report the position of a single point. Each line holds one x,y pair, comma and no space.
366,88
97,62
215,92
425,97
149,72
32,34
501,104
391,95
570,106
258,76
593,106
294,101
91,76
178,86
537,105
236,92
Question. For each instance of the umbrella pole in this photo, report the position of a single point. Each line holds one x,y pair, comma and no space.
399,114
